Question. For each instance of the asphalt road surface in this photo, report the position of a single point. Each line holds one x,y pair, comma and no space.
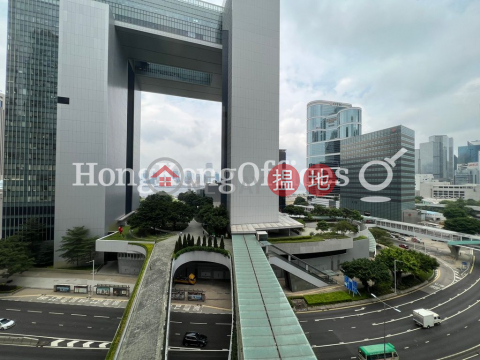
65,331
216,327
337,334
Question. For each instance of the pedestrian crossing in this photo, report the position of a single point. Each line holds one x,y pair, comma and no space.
69,343
197,308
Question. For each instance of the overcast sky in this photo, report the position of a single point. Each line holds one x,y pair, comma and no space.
414,63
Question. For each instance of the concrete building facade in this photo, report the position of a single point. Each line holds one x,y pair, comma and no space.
91,60
449,191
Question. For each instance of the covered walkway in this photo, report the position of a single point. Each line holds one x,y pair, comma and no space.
267,326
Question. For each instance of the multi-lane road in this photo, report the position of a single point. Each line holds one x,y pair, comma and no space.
216,327
60,329
337,334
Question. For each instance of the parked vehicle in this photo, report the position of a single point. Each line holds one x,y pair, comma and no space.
415,240
191,279
194,339
426,318
6,324
403,246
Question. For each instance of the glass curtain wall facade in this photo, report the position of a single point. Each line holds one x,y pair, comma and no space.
327,123
469,154
436,157
378,145
31,114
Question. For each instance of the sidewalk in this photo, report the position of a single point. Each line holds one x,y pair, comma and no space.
46,279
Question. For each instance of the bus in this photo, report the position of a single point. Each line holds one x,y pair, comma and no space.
379,351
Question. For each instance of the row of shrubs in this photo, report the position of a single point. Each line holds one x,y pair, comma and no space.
201,248
206,242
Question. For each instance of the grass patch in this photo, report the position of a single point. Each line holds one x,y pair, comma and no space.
133,235
332,298
123,322
201,248
306,238
361,237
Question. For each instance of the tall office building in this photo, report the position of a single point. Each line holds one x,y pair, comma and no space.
436,157
469,154
328,123
282,157
380,145
75,72
2,154
209,175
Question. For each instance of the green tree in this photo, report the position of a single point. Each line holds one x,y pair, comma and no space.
222,243
76,245
215,219
367,271
322,225
454,212
44,256
198,241
15,257
344,226
215,242
184,242
176,249
209,241
33,233
293,210
465,225
418,199
204,242
300,200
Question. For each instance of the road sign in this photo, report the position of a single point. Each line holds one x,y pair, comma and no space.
350,284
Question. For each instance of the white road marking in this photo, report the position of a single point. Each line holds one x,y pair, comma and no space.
87,344
55,313
100,316
175,322
56,342
198,323
13,310
103,345
71,343
77,315
34,311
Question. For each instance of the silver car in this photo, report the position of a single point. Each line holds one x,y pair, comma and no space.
6,324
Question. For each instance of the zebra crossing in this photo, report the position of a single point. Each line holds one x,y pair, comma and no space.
69,343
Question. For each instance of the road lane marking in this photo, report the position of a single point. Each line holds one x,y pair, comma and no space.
87,344
103,345
13,310
100,316
56,342
34,311
175,322
77,315
193,323
71,343
56,313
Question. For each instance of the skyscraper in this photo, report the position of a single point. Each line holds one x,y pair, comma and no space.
2,155
436,157
380,145
469,154
75,72
328,123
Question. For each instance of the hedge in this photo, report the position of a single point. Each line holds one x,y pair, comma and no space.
332,298
123,322
201,248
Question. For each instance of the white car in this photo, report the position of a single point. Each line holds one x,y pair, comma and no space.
6,324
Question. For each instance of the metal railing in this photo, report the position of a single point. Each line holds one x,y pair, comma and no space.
273,250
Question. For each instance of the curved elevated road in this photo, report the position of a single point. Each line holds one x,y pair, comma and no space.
337,334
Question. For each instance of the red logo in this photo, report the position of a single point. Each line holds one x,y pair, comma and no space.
319,180
283,180
165,181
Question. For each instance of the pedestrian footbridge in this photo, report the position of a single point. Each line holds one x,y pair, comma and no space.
266,324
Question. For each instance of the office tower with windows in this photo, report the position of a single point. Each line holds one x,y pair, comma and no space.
436,157
75,73
380,146
2,155
469,154
329,122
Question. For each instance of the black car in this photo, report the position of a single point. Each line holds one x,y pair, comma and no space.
194,339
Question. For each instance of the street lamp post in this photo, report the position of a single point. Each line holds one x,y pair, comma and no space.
395,273
384,319
93,273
